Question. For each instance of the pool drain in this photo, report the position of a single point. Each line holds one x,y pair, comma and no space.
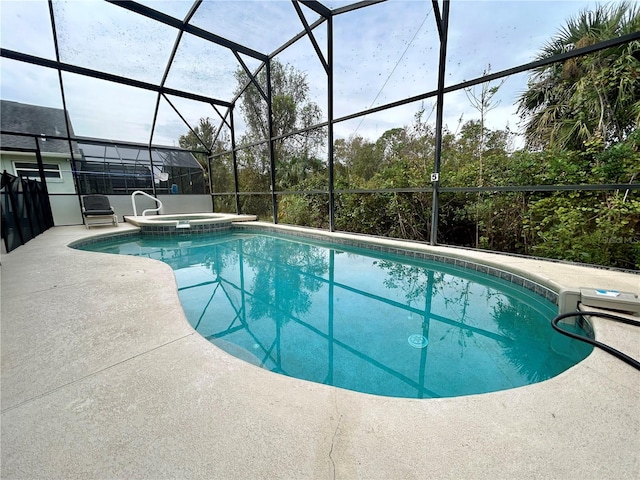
418,341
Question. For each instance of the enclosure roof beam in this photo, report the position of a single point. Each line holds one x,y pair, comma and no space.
252,78
293,40
172,56
184,120
438,17
179,24
356,6
219,131
311,36
87,72
317,7
192,11
223,117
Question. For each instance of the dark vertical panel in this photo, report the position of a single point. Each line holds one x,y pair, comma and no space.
74,168
235,161
43,193
330,122
25,210
439,112
274,200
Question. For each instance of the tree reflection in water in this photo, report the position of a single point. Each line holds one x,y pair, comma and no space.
286,274
343,316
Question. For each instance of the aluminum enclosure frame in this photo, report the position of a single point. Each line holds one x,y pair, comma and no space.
441,10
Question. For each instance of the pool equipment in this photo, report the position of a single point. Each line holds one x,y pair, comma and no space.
598,298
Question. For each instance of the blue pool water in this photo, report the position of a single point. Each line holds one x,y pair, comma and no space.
361,320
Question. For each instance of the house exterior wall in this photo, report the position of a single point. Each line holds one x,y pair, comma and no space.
64,200
64,184
62,191
66,210
186,203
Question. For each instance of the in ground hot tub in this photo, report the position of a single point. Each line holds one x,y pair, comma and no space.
186,223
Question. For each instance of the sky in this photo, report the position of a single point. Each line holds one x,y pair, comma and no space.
383,53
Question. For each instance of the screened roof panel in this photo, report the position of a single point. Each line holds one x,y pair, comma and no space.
128,154
383,53
174,158
108,38
114,152
30,84
252,63
169,125
320,34
93,150
260,25
203,68
302,56
133,153
375,65
26,27
103,109
478,37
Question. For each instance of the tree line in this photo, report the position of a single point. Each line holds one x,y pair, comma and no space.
580,121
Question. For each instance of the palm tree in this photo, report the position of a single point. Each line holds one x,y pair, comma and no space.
594,97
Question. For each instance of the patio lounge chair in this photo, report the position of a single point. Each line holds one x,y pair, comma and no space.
97,207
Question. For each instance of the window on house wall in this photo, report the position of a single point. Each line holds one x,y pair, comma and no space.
30,170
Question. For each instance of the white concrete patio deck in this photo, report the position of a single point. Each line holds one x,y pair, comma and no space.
103,378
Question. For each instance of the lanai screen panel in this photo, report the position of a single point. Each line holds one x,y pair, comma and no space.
111,168
488,37
102,36
185,174
26,27
384,53
262,26
203,68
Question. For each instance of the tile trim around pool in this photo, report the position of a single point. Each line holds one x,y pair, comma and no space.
371,244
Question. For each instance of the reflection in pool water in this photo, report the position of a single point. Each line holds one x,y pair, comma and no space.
361,320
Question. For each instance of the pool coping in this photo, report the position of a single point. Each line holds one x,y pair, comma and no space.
188,224
543,286
154,400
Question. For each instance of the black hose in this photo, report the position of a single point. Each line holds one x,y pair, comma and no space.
617,353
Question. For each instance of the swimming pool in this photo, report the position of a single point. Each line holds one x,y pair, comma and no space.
373,322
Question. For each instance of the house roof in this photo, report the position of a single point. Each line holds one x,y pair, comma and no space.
41,121
46,121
